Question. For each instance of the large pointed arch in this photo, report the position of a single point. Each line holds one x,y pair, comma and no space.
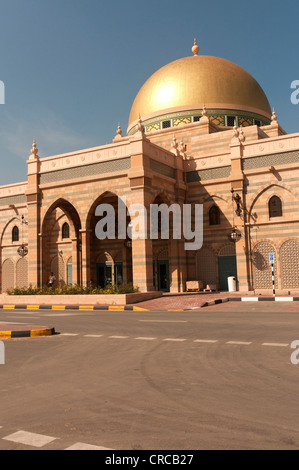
117,247
54,245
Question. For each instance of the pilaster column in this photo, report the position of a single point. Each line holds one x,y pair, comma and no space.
75,266
85,256
33,205
143,265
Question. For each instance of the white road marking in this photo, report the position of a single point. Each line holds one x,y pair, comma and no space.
68,334
82,446
250,299
239,343
13,323
93,336
206,341
119,337
174,339
283,299
281,345
146,339
29,439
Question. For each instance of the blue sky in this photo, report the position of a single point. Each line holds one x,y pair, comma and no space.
72,68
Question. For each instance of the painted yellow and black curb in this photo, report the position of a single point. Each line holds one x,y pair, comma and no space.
34,333
111,308
73,307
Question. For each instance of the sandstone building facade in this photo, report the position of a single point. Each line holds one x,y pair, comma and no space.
201,131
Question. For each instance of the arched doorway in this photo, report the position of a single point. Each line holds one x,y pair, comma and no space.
109,261
61,241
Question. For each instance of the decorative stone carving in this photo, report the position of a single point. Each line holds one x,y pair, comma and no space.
119,134
273,118
34,152
204,118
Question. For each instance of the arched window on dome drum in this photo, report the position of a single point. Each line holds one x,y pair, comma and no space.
15,234
65,230
214,215
275,207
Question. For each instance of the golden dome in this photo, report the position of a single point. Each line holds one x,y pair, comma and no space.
192,82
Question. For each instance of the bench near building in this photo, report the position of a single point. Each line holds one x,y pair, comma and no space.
201,131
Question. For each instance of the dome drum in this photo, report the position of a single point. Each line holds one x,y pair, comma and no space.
222,118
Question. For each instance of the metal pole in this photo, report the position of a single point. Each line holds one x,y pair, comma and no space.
273,279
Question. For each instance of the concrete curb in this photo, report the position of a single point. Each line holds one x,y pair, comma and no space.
250,299
71,307
34,333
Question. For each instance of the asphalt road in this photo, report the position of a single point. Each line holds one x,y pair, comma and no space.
218,378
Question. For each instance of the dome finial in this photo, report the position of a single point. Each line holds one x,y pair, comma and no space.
195,48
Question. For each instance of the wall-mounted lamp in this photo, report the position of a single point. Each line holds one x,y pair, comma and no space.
237,199
23,250
235,235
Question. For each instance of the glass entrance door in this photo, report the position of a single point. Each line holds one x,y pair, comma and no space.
104,274
118,273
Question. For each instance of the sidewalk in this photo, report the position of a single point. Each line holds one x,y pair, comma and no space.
167,302
191,300
185,301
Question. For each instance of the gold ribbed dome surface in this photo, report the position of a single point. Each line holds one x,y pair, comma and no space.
196,81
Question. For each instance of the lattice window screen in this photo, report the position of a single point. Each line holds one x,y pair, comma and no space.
7,275
22,273
289,255
262,271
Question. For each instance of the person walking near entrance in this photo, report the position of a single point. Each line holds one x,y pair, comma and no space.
52,279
